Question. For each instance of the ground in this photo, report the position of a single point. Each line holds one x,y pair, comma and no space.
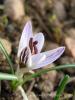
56,19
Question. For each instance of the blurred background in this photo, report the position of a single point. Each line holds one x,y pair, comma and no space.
56,19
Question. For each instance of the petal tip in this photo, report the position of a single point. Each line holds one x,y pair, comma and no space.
29,23
62,48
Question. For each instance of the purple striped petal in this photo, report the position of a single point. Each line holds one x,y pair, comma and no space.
29,61
26,35
51,56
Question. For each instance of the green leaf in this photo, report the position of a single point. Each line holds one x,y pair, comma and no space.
44,71
1,7
3,50
5,76
61,87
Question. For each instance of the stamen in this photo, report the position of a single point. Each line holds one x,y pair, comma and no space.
35,42
31,44
35,49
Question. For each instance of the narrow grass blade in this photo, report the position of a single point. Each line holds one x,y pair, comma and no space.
4,76
3,50
61,87
44,71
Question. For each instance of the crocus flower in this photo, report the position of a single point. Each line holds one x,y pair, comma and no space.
30,47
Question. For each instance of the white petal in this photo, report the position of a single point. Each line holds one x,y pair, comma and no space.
51,56
38,58
26,34
40,38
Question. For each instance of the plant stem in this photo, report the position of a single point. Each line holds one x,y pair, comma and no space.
23,93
